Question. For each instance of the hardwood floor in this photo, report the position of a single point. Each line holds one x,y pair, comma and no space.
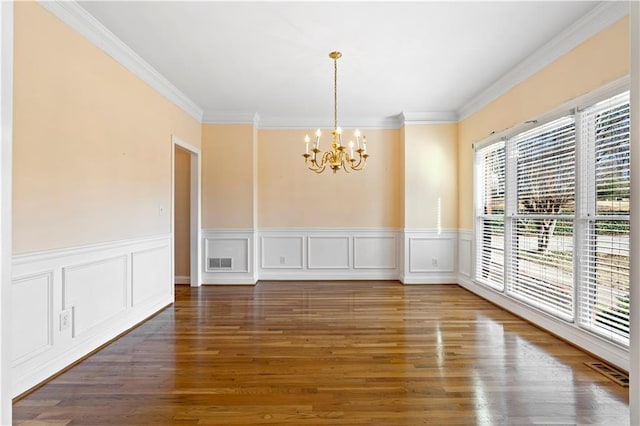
356,353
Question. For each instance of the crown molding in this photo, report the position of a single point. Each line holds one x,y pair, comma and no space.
434,117
281,122
599,18
229,117
76,17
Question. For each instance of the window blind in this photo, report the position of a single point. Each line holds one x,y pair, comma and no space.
540,267
490,169
604,217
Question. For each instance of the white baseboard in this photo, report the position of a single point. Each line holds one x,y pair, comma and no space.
222,279
611,353
79,298
326,276
182,279
450,278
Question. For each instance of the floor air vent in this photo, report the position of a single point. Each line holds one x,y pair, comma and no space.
616,375
220,263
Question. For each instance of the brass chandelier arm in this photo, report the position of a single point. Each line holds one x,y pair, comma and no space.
362,161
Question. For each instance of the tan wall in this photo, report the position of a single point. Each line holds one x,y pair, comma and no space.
92,142
599,60
228,176
289,195
430,175
182,219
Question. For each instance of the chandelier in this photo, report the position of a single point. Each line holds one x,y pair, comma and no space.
338,157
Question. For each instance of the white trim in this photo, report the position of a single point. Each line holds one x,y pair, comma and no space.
435,274
329,231
435,117
195,208
390,267
601,17
41,256
273,122
451,278
580,337
229,117
223,279
75,16
465,237
245,275
605,91
634,261
246,240
69,345
348,263
182,279
263,263
294,244
73,353
356,238
6,137
330,275
48,276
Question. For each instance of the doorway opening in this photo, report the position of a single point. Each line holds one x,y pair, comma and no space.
185,220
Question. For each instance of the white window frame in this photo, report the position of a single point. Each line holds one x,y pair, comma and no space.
571,327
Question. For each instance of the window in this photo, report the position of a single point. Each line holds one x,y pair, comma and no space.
552,217
604,219
541,264
490,169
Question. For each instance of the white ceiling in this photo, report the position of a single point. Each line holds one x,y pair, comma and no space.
235,59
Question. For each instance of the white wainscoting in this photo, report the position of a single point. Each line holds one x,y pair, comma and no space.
68,302
430,256
236,244
328,253
465,253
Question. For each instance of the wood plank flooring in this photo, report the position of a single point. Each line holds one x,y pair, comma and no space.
330,353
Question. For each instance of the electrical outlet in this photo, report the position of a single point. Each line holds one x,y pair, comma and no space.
282,260
65,319
434,261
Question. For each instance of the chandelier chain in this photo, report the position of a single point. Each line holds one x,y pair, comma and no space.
335,93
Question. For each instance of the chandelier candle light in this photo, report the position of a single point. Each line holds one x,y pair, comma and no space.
338,157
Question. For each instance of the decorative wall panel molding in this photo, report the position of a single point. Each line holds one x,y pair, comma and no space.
68,302
328,253
95,292
465,251
233,255
282,252
430,256
150,270
375,252
33,330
